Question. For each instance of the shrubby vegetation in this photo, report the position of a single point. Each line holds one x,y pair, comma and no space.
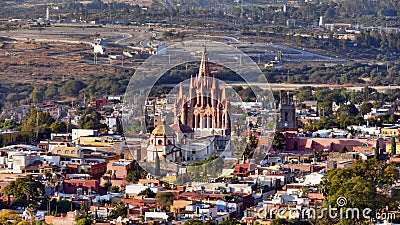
347,114
225,13
353,73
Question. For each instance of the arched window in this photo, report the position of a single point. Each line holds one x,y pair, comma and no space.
160,142
66,152
286,116
73,152
58,151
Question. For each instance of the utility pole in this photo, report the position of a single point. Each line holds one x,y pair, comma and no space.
109,11
37,124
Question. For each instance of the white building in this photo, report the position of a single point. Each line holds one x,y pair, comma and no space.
332,133
365,130
77,133
135,189
17,161
157,216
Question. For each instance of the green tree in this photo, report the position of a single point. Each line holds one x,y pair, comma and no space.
38,122
90,119
157,165
134,175
365,108
85,221
114,189
347,110
305,93
377,150
278,143
344,150
72,88
120,209
393,147
119,128
51,92
360,184
62,206
83,212
58,127
25,190
230,221
148,193
251,145
197,222
165,200
14,97
107,185
37,95
7,215
279,221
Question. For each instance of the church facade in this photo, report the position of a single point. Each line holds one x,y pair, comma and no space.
201,126
206,107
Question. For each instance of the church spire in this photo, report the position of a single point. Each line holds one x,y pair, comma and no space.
180,97
223,95
204,70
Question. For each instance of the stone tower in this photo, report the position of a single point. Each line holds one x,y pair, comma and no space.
288,119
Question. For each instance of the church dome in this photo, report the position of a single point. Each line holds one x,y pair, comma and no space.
163,130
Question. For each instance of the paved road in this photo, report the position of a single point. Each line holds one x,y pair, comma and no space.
226,38
124,37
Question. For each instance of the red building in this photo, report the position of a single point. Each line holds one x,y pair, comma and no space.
73,186
98,103
120,169
244,168
70,218
308,144
95,170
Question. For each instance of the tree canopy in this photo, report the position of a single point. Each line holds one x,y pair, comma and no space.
25,191
165,199
119,210
365,184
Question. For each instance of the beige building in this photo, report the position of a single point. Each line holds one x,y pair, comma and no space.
8,137
68,151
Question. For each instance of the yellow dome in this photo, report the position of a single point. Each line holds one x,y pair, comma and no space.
163,130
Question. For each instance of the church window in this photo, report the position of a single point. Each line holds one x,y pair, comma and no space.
160,142
286,116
